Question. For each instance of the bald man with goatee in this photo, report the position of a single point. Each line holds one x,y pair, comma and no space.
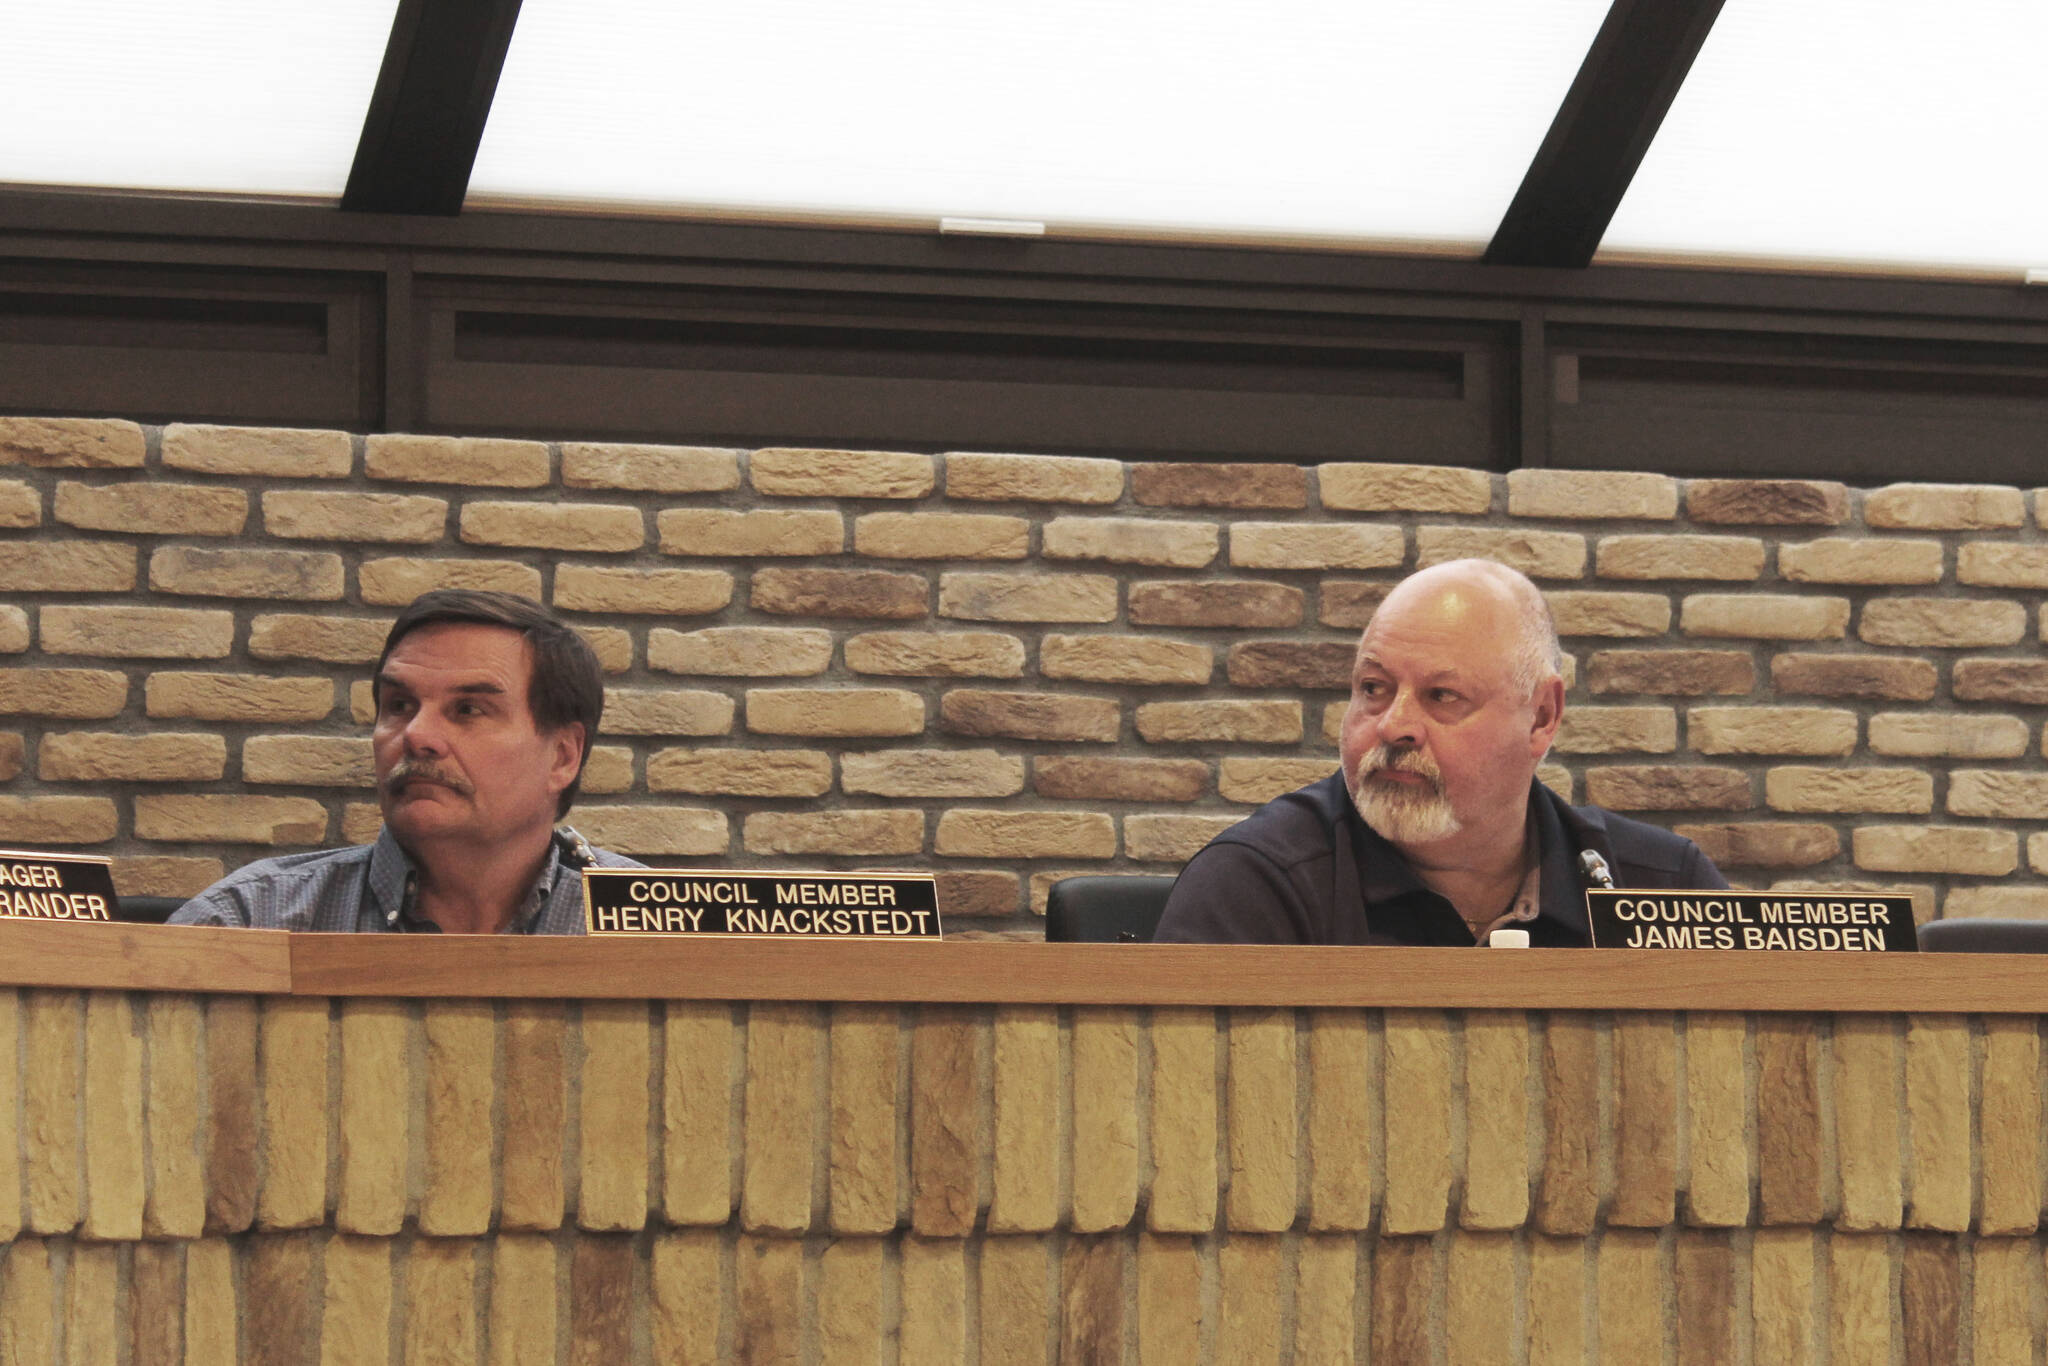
1434,830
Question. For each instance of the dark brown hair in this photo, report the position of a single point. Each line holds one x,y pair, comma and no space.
564,683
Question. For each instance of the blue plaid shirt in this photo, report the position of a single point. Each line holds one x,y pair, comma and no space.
373,887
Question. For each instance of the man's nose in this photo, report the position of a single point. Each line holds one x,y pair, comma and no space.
1401,722
424,733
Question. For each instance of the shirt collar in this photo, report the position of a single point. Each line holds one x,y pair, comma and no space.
393,887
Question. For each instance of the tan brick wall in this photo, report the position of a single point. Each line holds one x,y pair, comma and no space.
852,657
814,1183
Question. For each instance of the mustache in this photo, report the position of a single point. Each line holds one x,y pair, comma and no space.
407,771
1384,758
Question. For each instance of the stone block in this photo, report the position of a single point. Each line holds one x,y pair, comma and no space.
1077,778
1033,478
1791,1180
355,1303
14,631
647,831
113,1134
1866,1075
1252,1283
1902,791
1563,494
1320,664
586,527
1316,545
1936,849
227,818
932,773
394,581
1475,1329
1104,1070
1404,488
1155,838
159,508
266,452
783,1043
2002,564
1028,597
1948,623
801,473
1938,1123
948,1125
727,534
612,1117
68,694
332,640
1496,1184
1215,603
942,536
662,711
1931,1305
387,517
1685,673
1025,1183
1617,730
2003,1275
841,593
21,505
1405,1293
862,1147
1930,735
1771,730
601,1299
1219,485
1257,780
665,592
1609,614
1418,1130
1261,1132
535,1095
834,711
1669,787
740,651
176,1207
1765,844
237,697
294,1145
51,1029
31,821
92,1291
2018,903
1782,1295
1646,1119
1992,793
1767,502
1184,1120
1763,616
375,1068
1170,1321
156,1305
651,469
741,772
1339,1139
1630,1276
1124,659
1030,716
936,654
66,567
1732,558
971,893
1878,678
486,461
524,1279
233,1117
850,1289
837,832
137,632
970,833
440,1293
934,1307
698,1059
1131,540
13,755
72,443
94,757
308,761
1539,554
1944,507
2024,681
461,1047
1350,604
1245,722
687,1300
2008,1128
1557,1296
1857,559
1568,1199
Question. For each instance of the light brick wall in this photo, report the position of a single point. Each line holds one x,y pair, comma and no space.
631,1182
1002,667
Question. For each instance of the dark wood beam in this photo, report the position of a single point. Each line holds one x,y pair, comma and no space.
426,117
1631,74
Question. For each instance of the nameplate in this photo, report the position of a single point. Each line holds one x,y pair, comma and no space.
56,886
1833,923
763,905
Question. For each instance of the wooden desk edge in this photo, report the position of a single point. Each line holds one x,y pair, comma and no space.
180,958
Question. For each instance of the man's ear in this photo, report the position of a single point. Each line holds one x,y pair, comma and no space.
1549,709
565,756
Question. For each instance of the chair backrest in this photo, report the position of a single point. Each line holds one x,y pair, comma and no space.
148,910
1105,910
1971,934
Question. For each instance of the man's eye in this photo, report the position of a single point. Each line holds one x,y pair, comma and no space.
1443,695
1370,687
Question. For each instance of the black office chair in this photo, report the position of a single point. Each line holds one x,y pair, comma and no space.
148,910
1105,910
1970,934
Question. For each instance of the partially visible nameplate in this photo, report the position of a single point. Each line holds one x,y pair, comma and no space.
56,886
1828,923
767,905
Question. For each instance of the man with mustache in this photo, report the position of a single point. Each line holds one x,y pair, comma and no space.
1434,830
487,706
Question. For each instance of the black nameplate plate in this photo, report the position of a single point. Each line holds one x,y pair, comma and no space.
764,905
1828,923
56,886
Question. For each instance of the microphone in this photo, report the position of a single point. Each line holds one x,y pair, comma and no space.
1594,869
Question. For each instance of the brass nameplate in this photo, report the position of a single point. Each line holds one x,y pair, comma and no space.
1830,923
37,886
771,905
